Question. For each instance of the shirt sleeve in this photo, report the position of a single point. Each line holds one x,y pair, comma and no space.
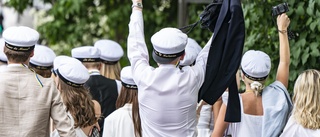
201,62
137,49
59,116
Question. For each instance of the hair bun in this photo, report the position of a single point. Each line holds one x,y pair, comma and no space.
257,87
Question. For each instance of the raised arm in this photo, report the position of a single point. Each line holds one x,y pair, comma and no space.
283,69
137,49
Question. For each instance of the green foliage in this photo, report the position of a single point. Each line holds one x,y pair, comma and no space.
72,23
261,34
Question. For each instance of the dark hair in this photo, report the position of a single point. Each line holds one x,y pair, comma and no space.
44,73
17,56
131,96
79,103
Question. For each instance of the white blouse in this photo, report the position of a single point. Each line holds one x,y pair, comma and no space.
294,129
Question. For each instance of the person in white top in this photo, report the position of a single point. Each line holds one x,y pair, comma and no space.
264,111
125,121
167,94
305,118
70,75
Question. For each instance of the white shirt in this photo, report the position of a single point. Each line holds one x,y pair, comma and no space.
294,129
167,95
78,130
205,120
119,123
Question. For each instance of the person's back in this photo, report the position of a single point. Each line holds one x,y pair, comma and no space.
264,109
102,89
251,116
125,121
305,116
170,104
25,104
27,99
167,94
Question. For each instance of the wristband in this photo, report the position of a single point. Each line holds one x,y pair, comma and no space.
137,4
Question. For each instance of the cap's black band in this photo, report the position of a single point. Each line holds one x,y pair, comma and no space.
253,78
40,67
15,48
109,62
6,62
168,55
89,59
129,86
67,81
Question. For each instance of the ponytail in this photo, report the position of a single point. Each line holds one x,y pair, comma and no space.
257,87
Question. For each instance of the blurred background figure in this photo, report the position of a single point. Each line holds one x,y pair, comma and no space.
3,57
102,89
111,53
191,53
42,60
70,76
305,118
125,121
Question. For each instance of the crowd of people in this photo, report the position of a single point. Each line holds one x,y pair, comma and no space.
88,94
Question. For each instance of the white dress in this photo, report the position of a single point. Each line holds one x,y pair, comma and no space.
205,121
294,129
78,130
250,125
119,123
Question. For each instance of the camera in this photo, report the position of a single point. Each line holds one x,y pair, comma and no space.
279,9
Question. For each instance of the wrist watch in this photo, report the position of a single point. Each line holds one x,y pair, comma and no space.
137,4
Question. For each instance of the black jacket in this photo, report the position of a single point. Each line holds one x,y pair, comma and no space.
224,58
104,91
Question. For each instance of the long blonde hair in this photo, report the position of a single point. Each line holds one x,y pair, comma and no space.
111,71
306,99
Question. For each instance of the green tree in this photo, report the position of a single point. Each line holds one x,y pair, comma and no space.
73,23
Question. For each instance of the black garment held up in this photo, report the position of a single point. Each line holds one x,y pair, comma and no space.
224,59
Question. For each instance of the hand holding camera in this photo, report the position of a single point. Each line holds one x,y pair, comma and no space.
283,22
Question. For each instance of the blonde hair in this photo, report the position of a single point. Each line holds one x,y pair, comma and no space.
306,99
256,86
95,65
111,71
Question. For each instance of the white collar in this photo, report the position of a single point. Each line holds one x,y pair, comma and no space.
94,72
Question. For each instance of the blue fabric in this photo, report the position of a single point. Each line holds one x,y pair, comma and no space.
277,105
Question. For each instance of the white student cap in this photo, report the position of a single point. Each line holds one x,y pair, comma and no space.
86,54
192,50
111,51
43,57
126,78
71,71
256,65
20,38
3,57
168,43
